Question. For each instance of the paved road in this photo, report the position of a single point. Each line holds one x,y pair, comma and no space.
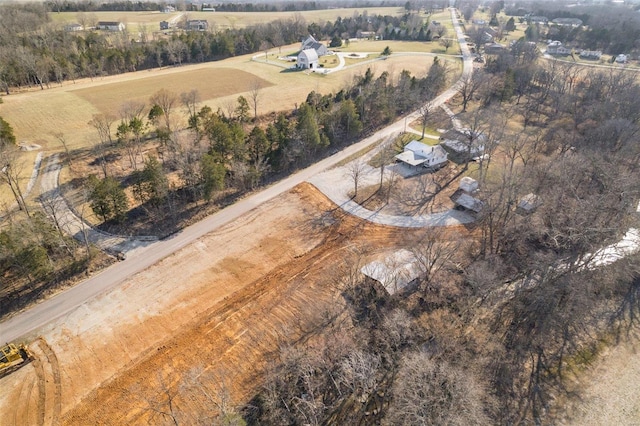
21,325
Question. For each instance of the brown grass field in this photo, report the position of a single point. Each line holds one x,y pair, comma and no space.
224,20
210,83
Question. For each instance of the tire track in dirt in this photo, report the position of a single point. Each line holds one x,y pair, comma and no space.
21,413
49,384
56,387
41,379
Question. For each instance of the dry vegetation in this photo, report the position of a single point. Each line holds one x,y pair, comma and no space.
223,20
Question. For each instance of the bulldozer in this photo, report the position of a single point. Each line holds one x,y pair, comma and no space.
13,357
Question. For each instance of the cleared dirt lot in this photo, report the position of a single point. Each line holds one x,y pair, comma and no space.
222,304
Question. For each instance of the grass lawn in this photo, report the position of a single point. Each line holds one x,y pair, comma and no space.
377,46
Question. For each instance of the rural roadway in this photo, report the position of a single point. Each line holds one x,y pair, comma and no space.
22,326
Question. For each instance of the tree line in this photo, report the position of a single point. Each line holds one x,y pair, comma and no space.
224,151
33,52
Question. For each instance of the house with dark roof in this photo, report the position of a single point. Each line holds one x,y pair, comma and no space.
311,43
197,25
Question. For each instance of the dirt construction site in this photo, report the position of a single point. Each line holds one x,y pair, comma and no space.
220,307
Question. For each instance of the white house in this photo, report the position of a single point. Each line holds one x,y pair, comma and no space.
556,48
418,154
73,27
622,59
110,26
307,59
311,43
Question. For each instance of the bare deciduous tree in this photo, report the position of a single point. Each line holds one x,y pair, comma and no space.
355,170
430,392
255,93
11,168
166,100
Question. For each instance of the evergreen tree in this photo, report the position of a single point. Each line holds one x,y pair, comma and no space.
108,199
213,174
150,184
6,134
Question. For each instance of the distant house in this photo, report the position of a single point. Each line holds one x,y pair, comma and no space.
197,25
568,22
369,35
622,59
397,273
537,19
463,145
110,26
168,9
417,154
208,9
312,43
73,27
494,48
307,59
591,54
556,48
165,25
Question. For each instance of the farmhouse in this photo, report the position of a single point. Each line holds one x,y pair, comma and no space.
556,48
197,25
312,43
307,59
110,26
397,273
418,154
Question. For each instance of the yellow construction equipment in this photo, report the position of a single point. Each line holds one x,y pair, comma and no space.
13,357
